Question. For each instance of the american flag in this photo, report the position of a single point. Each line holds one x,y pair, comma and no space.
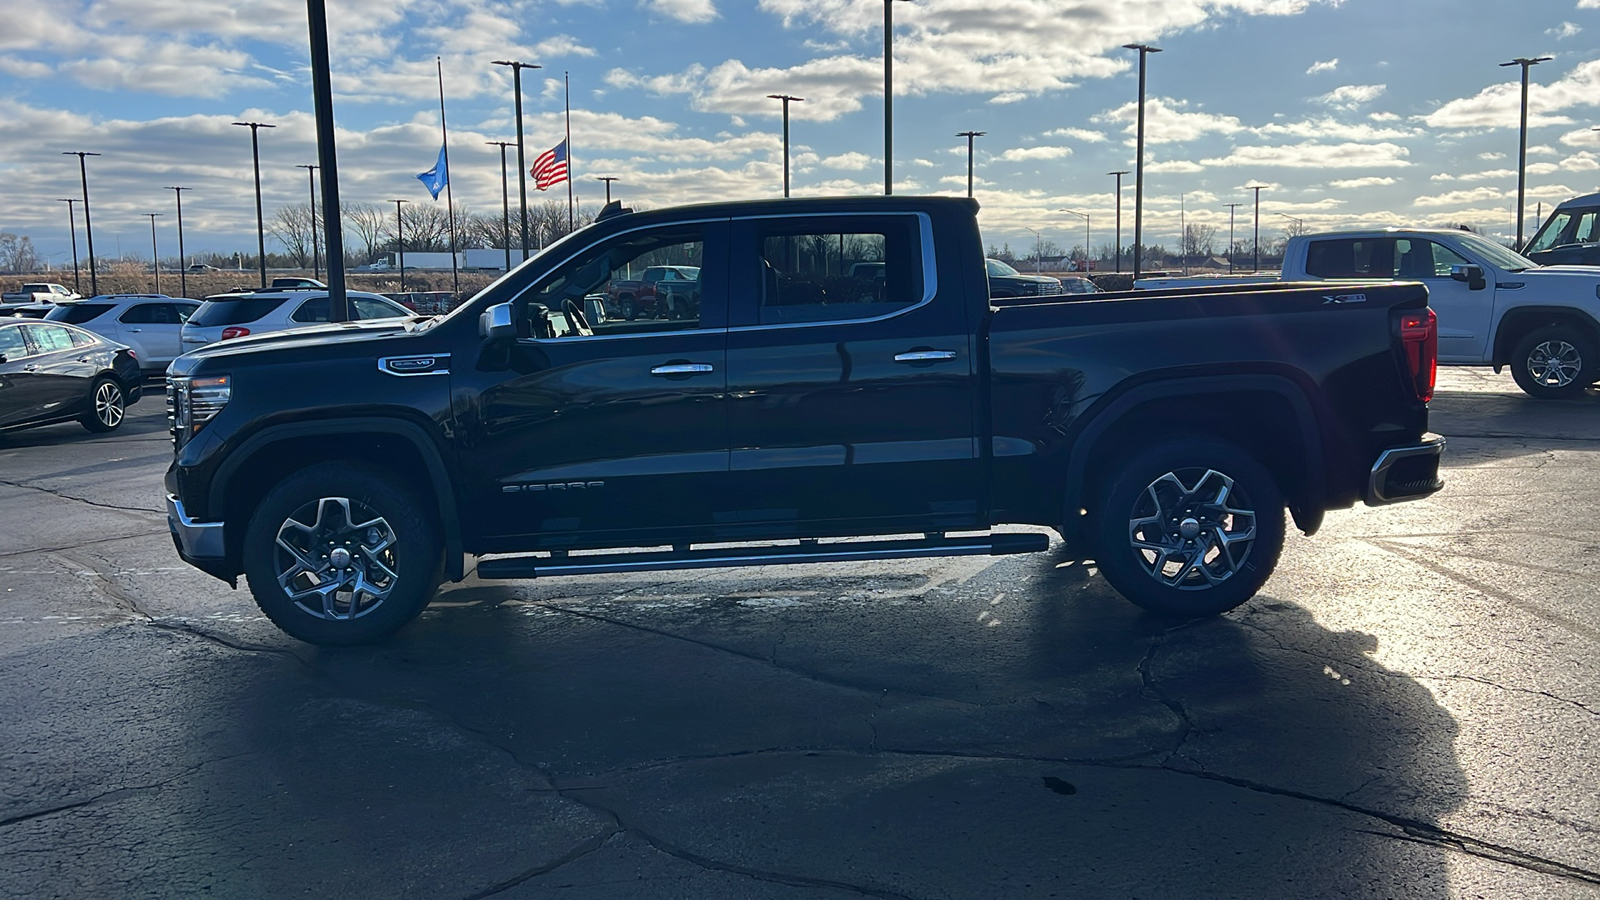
550,168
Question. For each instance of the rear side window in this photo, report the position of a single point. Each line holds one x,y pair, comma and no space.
49,338
152,314
78,313
233,310
1351,258
811,272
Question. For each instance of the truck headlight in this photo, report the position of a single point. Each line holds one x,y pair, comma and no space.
192,402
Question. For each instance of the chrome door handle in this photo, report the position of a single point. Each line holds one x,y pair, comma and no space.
924,356
135,330
683,369
30,368
83,359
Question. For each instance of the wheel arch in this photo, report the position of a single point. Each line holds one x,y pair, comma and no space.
1267,415
270,455
1518,321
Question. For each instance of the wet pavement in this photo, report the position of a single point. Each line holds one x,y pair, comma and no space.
1410,709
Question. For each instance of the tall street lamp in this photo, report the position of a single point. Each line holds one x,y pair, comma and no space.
1299,224
261,222
969,135
522,161
608,179
155,256
1138,163
72,226
183,261
1119,175
785,98
1257,188
88,224
505,199
400,241
1522,143
1038,251
316,259
1085,217
888,95
1231,208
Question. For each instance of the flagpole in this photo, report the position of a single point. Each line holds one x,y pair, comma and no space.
571,223
449,202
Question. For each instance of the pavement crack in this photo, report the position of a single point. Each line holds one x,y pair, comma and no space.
84,500
1149,690
1517,690
96,542
116,794
582,849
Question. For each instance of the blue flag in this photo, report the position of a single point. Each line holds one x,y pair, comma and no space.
437,177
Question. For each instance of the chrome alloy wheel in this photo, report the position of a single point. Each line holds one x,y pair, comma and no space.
1554,363
1192,534
335,558
108,404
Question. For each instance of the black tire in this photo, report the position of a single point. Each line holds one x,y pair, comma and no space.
400,555
105,407
626,308
1163,505
1556,362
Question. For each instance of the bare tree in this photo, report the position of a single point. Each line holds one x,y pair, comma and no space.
370,224
549,220
427,227
17,253
291,227
1199,240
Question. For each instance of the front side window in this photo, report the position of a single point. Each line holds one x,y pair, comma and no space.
367,308
621,286
836,270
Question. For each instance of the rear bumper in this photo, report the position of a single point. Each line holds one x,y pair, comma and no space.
1406,473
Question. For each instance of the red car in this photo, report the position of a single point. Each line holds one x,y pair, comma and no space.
662,292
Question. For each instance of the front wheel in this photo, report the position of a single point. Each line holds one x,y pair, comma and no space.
1556,362
105,408
1190,528
337,555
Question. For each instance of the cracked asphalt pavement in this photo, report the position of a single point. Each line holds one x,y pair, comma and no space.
1410,709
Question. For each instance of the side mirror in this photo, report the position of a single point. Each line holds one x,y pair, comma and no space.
1471,276
495,322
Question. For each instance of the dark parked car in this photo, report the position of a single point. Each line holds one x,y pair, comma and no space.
1006,282
51,372
1571,236
806,413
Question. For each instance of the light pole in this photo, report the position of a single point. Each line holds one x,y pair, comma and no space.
400,241
316,259
1522,144
1257,188
969,135
1231,208
608,179
261,222
1085,217
155,257
183,262
1138,163
505,199
1299,224
1038,251
888,95
72,226
1119,217
786,99
522,161
88,224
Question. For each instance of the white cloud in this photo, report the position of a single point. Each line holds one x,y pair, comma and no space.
1317,156
1367,181
1166,121
1008,97
852,161
1383,117
1182,166
1458,198
1078,134
1326,65
1493,155
1563,31
1016,154
1330,128
1350,96
683,10
1543,150
1499,105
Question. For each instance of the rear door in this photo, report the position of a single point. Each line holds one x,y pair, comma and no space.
152,329
17,380
63,370
852,389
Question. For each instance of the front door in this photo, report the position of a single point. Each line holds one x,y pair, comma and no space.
1464,314
851,383
608,432
17,380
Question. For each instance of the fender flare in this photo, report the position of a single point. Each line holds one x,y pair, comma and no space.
1501,345
1308,517
427,449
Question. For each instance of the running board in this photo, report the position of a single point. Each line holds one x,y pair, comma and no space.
559,563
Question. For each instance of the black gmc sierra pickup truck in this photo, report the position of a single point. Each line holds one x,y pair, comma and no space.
810,413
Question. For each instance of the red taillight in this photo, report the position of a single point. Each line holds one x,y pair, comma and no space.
233,331
1419,332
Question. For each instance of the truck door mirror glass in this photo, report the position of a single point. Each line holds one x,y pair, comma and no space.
1471,276
496,322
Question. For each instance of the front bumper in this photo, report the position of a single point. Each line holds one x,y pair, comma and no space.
1406,473
201,544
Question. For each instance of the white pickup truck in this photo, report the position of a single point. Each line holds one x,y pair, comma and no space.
1495,307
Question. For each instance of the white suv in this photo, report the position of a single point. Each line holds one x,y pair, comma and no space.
227,316
149,323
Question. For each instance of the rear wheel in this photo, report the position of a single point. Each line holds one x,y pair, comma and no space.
1556,362
105,408
1190,528
626,308
336,555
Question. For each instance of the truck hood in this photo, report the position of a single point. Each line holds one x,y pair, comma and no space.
1592,273
314,338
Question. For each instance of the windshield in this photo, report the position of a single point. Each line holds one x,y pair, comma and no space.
996,267
1497,255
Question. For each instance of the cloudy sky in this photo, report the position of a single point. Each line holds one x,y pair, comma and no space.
1354,112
